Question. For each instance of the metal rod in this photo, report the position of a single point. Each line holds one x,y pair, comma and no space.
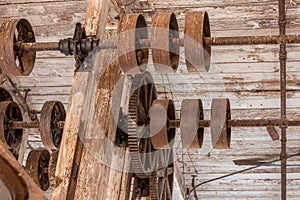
283,58
251,40
243,123
34,124
211,41
40,46
23,125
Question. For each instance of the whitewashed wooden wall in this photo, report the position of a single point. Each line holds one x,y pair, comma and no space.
248,75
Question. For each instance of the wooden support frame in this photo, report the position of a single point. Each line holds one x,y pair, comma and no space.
75,159
71,145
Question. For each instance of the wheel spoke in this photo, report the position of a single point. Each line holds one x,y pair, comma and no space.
160,188
168,193
21,65
146,95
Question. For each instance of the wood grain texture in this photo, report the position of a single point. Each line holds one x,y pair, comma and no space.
71,146
248,75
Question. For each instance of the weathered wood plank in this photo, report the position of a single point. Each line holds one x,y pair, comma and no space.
10,2
70,141
47,13
97,124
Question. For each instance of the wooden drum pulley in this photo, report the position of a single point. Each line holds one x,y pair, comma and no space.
132,58
197,54
165,55
191,113
220,132
12,61
162,135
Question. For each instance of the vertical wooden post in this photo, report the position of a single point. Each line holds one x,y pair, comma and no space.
71,145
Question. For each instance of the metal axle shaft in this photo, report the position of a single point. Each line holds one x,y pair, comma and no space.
211,41
243,123
35,124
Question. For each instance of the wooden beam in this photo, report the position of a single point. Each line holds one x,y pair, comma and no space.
71,146
97,127
120,181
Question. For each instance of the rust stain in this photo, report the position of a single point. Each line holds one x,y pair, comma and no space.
58,181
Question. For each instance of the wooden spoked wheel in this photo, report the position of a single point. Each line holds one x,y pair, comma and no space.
165,54
37,167
52,114
143,93
132,58
162,135
161,181
12,138
13,61
197,54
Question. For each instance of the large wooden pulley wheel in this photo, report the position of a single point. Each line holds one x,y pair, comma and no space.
165,54
51,129
197,54
12,60
143,93
11,138
162,135
190,115
220,132
37,164
132,58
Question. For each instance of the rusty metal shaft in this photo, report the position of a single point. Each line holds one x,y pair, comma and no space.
243,123
251,40
283,58
146,43
35,124
40,46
